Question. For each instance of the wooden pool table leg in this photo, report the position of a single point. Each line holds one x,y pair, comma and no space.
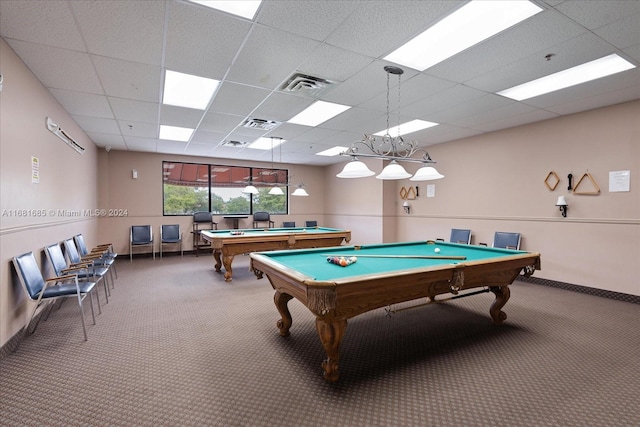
216,257
502,296
284,323
331,333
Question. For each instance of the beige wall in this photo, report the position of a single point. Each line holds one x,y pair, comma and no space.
32,214
142,197
495,182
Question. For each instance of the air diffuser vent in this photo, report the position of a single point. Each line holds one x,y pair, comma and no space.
260,124
306,84
234,143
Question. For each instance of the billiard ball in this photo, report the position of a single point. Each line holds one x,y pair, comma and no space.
437,250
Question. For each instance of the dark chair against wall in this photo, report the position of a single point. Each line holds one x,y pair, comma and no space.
259,217
44,291
201,221
505,240
84,271
459,235
140,236
311,223
289,224
75,259
170,234
107,255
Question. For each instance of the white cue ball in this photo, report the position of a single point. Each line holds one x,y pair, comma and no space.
436,250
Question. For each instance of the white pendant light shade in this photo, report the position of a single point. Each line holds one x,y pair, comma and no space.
426,173
250,189
355,169
276,191
393,171
300,192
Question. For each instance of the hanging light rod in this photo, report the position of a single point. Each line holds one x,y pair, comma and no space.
386,147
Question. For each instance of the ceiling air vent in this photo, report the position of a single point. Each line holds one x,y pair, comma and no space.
234,143
260,124
306,84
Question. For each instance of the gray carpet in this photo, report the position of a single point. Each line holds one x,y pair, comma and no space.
177,346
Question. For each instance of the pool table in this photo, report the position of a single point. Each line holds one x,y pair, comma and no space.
383,275
228,243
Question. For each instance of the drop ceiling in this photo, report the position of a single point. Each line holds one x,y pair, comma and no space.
104,61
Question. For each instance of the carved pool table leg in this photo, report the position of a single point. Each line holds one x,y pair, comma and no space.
226,261
284,323
502,296
331,333
216,257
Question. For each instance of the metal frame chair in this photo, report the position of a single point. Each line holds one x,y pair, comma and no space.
460,235
259,217
105,250
289,224
140,236
170,234
43,291
311,223
506,240
76,259
84,271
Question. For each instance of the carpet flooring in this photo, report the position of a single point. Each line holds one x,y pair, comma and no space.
178,346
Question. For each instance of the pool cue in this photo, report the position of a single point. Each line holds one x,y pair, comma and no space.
433,300
400,256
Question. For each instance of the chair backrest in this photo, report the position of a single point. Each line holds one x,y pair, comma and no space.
311,223
202,216
506,240
261,216
71,251
29,274
459,235
170,232
289,224
82,247
141,234
56,258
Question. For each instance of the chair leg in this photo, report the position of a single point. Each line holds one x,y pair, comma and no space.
93,314
84,327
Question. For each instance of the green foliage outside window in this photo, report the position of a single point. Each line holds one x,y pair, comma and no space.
186,190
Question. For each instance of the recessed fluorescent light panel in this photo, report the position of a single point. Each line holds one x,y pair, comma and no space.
318,112
602,67
264,143
244,8
407,128
474,22
335,151
174,133
186,90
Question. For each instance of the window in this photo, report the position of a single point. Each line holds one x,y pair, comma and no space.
192,187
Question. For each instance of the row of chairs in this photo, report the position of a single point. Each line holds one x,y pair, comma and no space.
501,239
76,276
292,224
142,236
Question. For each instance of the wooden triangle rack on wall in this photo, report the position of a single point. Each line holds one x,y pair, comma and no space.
596,189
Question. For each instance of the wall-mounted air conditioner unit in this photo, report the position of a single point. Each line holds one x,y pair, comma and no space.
55,129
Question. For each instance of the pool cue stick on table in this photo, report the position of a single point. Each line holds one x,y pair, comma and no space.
401,256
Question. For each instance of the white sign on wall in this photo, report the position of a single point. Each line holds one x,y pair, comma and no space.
35,170
619,181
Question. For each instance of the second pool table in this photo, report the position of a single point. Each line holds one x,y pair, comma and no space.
228,243
384,274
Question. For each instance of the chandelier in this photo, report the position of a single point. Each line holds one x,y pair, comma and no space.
387,147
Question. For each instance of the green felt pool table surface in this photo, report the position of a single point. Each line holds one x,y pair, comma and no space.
313,263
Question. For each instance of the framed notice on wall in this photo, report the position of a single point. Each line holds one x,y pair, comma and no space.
619,181
35,170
